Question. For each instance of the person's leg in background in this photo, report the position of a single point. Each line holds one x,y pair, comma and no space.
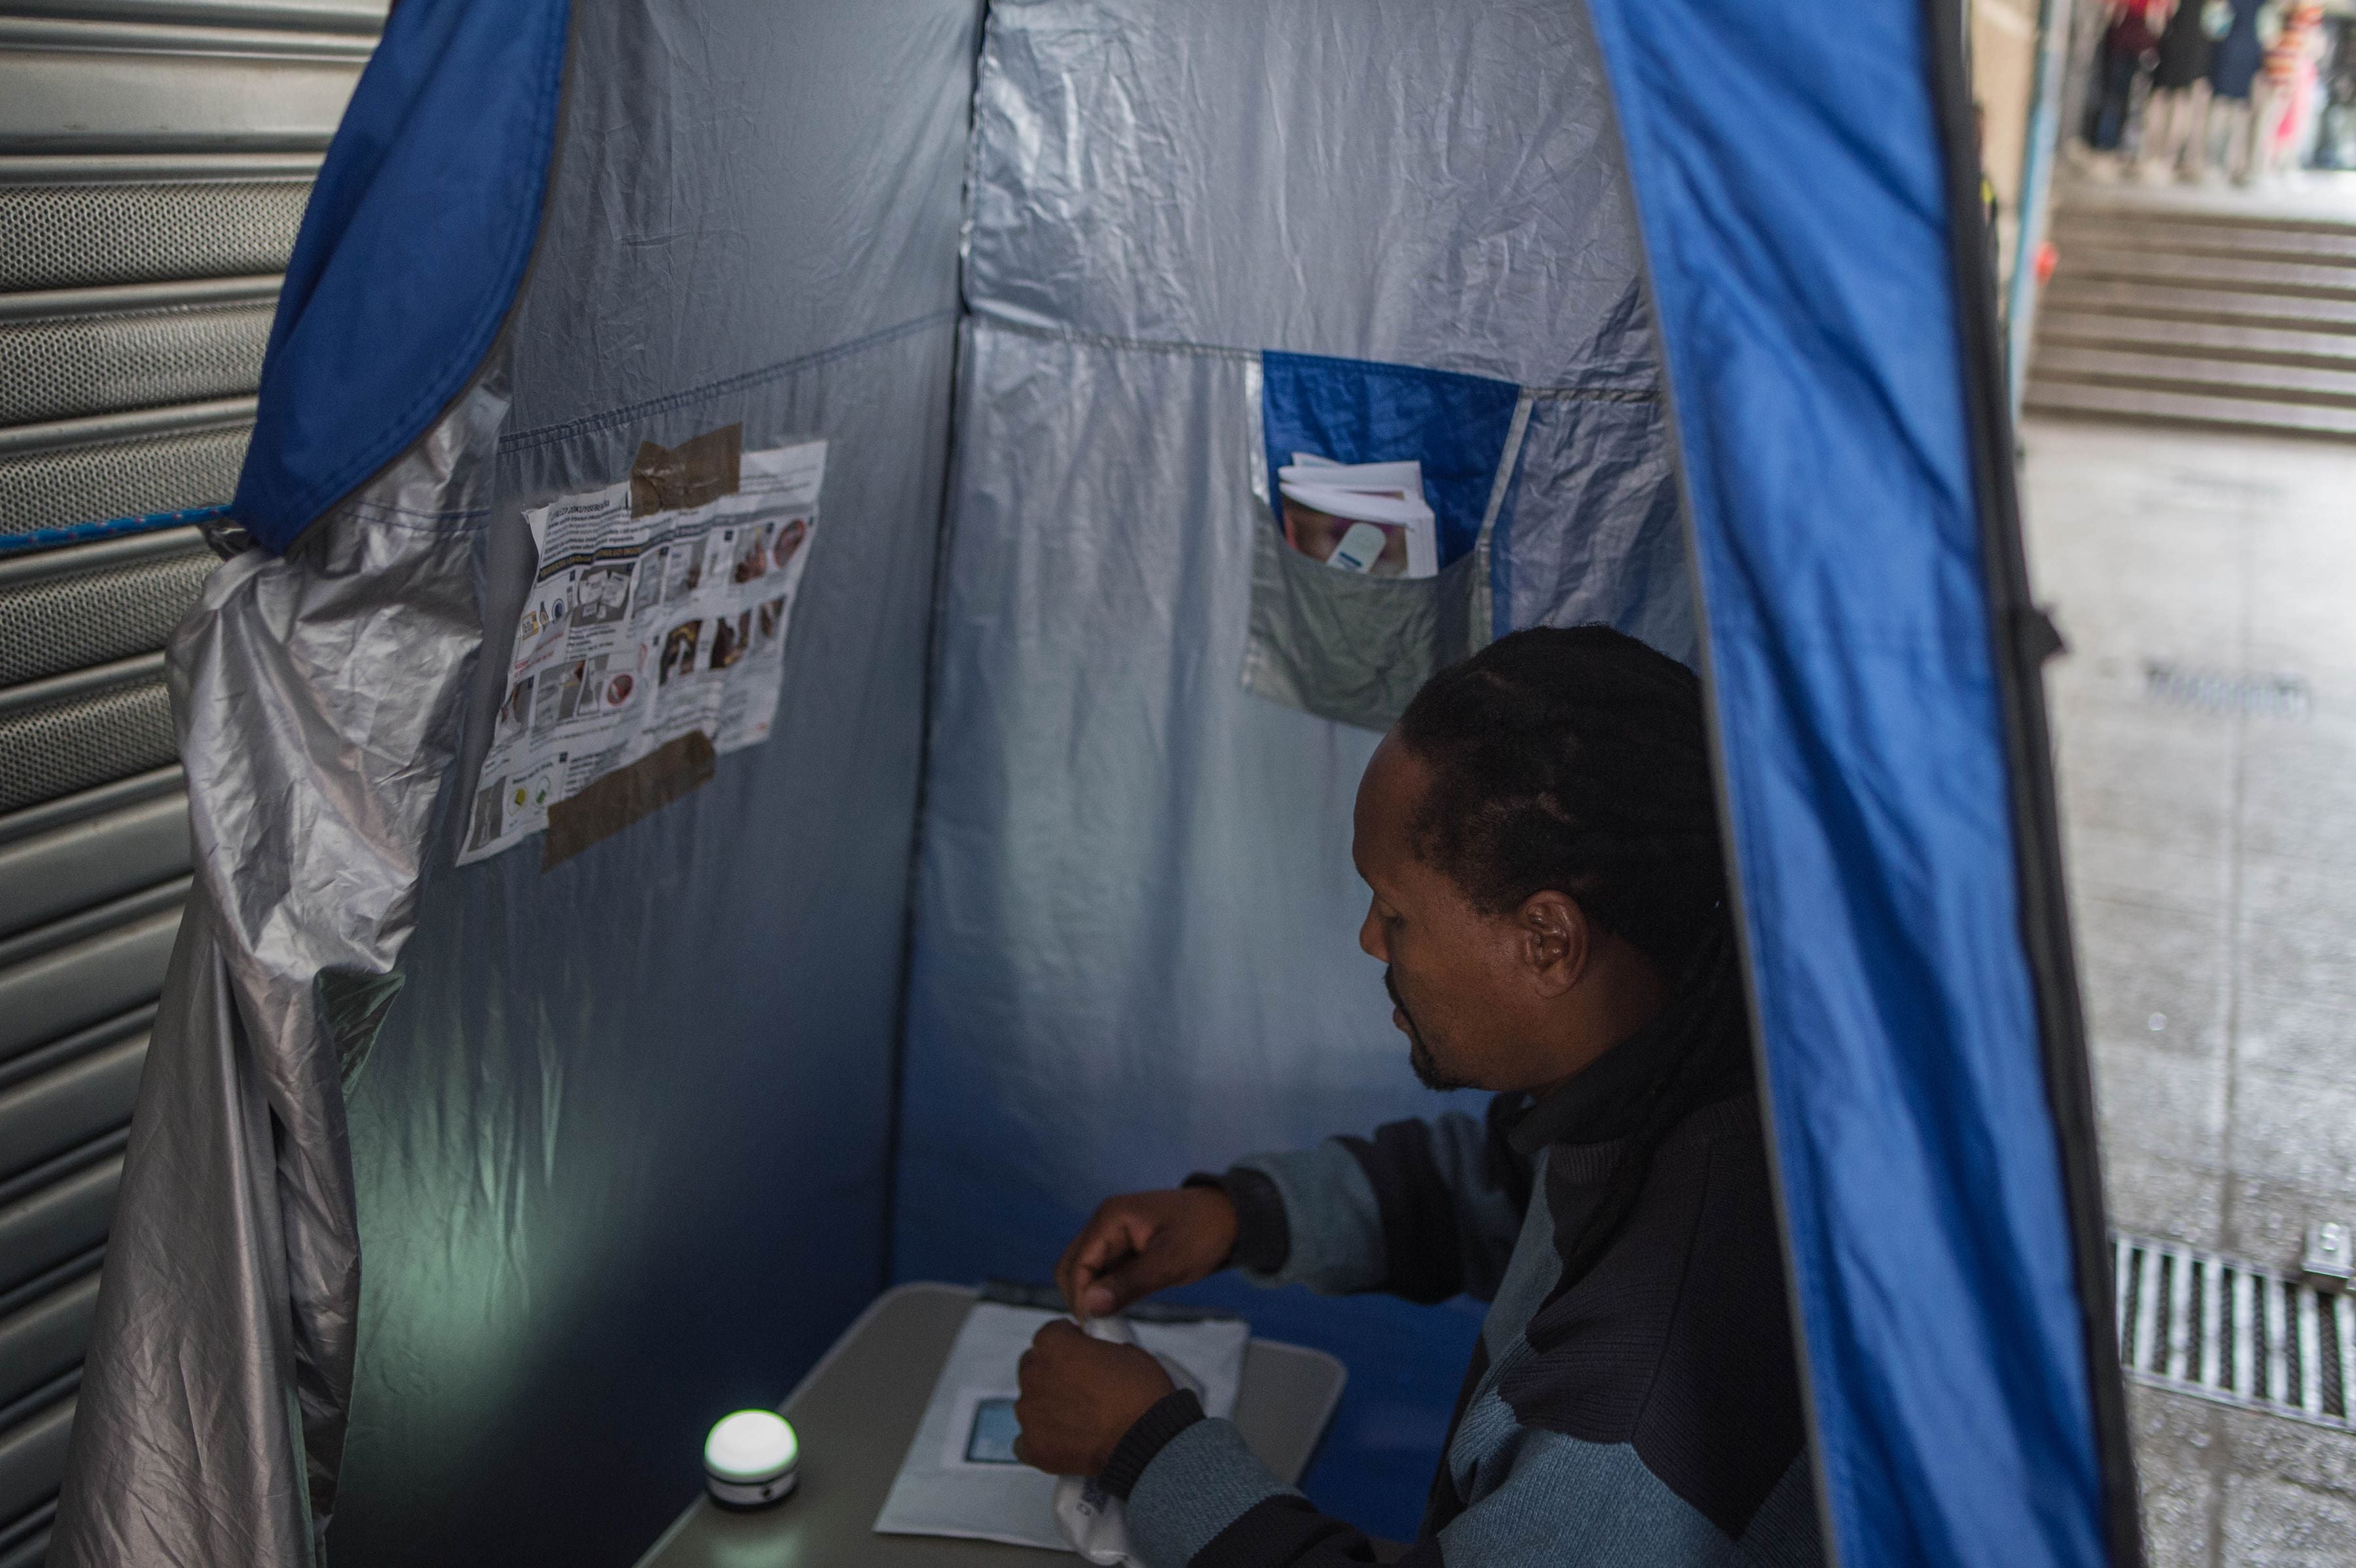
2193,164
2265,115
2233,71
2246,158
2192,154
2138,125
2168,120
2307,98
2119,71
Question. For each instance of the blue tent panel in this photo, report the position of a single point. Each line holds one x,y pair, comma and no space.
410,252
1794,216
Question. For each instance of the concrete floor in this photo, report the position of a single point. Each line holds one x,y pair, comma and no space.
2212,857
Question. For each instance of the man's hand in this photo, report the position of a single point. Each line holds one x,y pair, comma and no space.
1080,1397
1145,1241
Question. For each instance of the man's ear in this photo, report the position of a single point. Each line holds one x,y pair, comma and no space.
1555,940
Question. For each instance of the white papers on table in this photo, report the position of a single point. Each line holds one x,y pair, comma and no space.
960,1478
1329,506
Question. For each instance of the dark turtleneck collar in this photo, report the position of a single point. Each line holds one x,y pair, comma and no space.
1599,1102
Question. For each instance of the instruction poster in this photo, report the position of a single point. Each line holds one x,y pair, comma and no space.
644,623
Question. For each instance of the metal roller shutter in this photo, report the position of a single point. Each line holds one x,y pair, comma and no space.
155,159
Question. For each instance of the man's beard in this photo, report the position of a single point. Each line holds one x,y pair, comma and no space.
1428,1071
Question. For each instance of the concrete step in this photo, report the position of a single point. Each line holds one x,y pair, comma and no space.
2277,212
2213,378
2203,339
2179,302
2145,405
2334,247
2305,279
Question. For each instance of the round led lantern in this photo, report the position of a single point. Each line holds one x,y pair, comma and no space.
749,1459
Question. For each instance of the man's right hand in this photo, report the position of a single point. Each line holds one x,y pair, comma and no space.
1144,1241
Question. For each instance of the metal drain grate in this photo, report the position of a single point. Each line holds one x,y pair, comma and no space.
2210,1326
2275,696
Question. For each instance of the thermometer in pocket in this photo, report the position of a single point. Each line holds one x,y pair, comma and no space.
1359,548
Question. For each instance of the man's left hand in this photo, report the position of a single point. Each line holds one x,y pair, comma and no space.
1080,1397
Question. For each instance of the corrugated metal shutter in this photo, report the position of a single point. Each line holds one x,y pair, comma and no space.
155,158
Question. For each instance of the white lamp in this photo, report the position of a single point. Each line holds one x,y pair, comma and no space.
749,1459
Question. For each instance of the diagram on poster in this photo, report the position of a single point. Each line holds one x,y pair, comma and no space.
641,627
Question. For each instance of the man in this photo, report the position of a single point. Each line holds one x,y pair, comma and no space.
1540,835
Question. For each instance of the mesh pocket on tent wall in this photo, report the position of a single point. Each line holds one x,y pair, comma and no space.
1355,607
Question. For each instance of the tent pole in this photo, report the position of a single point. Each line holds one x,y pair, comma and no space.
2022,640
2036,189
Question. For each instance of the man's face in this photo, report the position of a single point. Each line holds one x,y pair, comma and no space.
1460,985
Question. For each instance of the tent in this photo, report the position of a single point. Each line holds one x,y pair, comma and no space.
498,1130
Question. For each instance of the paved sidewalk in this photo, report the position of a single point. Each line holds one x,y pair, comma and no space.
2211,830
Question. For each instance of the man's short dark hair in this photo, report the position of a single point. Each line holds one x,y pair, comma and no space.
1576,760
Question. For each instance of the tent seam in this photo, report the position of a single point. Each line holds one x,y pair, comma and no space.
589,424
1226,351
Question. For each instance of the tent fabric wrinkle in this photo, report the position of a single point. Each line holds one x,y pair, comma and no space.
232,1273
1100,206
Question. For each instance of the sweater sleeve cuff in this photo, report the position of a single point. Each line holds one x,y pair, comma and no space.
1263,1234
1146,1438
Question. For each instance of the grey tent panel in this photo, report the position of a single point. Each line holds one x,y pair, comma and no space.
70,1105
1627,564
44,1339
529,1233
54,874
1146,171
1151,205
58,1222
81,982
514,1073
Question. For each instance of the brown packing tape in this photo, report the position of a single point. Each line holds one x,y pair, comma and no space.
675,477
627,795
